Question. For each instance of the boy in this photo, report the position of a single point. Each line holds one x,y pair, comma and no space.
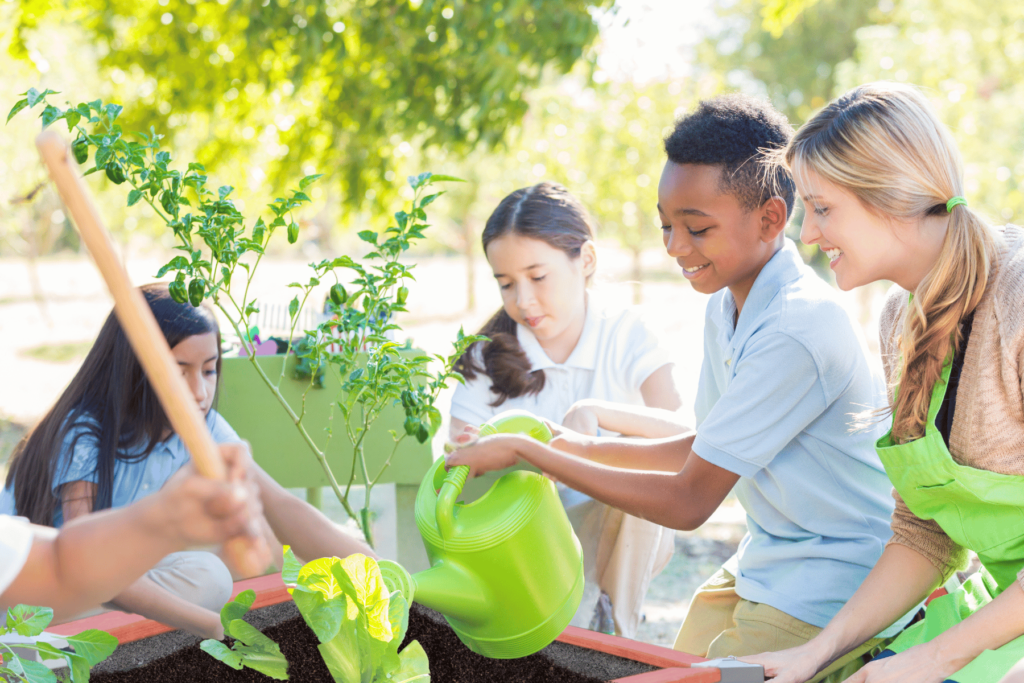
783,374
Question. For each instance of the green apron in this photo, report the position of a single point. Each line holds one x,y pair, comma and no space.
979,510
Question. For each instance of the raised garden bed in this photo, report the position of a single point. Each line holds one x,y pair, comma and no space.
153,653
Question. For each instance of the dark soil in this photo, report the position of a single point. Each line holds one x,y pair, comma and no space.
175,657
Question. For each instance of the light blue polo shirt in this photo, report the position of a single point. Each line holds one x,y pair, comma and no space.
774,405
132,479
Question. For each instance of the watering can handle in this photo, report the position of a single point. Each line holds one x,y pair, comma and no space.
450,490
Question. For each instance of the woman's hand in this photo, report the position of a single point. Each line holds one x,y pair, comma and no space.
923,663
495,452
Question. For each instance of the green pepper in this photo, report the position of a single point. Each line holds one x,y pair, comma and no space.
114,173
178,291
196,290
168,201
80,148
338,295
293,233
403,294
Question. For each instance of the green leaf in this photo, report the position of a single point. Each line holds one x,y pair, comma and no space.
33,672
93,645
309,180
445,179
342,656
323,616
222,652
50,114
79,667
368,236
27,620
414,665
290,567
237,608
34,96
224,190
114,110
293,307
371,592
176,263
260,653
133,198
18,106
72,117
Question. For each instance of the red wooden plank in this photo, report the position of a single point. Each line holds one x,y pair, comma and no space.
674,675
654,655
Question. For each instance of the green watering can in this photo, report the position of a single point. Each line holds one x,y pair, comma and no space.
506,570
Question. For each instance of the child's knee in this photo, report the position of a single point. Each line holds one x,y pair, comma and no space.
200,577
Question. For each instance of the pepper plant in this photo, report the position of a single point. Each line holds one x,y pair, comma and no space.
220,254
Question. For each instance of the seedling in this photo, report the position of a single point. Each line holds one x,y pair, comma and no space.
90,648
221,252
359,621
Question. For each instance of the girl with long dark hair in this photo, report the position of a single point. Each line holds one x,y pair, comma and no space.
107,443
557,352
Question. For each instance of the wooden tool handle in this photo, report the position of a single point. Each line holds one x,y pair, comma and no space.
140,326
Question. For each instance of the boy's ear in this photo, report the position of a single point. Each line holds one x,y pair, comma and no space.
773,219
588,252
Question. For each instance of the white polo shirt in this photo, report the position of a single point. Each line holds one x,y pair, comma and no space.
15,544
614,356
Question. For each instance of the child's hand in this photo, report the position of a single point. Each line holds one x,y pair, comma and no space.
484,455
581,418
195,510
468,436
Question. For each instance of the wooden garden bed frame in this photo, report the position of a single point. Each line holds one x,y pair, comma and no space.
270,590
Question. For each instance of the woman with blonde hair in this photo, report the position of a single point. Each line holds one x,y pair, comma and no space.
882,183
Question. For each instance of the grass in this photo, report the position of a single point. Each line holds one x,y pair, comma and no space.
58,353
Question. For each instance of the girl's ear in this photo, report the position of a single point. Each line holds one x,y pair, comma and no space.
773,219
588,252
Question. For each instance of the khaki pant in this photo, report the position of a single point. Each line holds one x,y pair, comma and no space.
720,623
621,555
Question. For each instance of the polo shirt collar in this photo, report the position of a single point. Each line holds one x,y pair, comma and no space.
584,356
782,268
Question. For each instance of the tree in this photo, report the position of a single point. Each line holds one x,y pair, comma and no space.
336,86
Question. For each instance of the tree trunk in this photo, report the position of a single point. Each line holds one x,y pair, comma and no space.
467,251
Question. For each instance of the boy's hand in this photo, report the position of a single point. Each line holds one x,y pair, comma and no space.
194,510
484,455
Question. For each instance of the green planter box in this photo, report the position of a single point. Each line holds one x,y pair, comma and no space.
254,412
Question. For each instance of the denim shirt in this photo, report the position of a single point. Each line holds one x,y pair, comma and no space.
133,480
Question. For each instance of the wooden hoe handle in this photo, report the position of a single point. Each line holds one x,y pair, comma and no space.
141,327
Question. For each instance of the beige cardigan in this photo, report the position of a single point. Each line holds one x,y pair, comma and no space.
988,426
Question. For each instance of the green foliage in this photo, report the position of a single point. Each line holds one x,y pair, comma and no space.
251,648
358,620
341,85
220,259
90,648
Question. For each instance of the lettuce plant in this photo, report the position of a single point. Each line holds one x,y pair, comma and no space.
220,254
358,620
90,648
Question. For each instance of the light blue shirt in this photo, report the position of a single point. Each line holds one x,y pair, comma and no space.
775,405
132,479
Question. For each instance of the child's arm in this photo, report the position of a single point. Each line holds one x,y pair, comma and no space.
655,419
307,530
94,557
679,500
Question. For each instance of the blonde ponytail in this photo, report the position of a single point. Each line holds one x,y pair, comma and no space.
883,143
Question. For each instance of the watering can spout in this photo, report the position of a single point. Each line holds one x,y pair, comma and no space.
454,592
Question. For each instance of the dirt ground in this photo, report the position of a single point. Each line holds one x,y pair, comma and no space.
43,341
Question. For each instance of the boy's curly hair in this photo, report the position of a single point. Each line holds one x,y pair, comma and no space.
734,132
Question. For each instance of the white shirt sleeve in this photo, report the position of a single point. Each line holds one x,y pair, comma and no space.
644,352
471,401
15,544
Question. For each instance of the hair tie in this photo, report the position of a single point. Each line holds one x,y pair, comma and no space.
955,201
